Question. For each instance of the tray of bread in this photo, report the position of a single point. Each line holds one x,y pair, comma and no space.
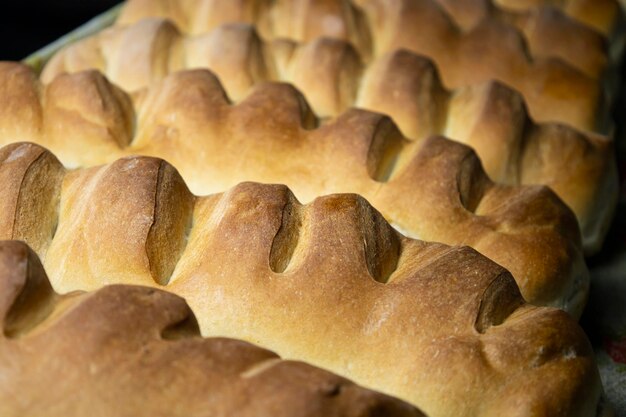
317,208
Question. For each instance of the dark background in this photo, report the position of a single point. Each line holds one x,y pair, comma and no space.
28,25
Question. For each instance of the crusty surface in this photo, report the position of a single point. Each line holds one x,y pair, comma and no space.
491,50
546,29
432,189
130,351
490,117
602,15
330,283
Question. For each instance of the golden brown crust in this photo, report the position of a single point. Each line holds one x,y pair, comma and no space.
489,117
553,90
547,31
133,351
491,49
333,284
602,15
31,180
433,189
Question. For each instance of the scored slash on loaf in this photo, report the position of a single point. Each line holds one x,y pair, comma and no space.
250,239
491,50
128,351
490,117
434,190
330,283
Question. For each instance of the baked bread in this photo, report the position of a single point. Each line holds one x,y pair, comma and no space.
434,189
603,15
128,351
491,50
547,31
330,283
489,117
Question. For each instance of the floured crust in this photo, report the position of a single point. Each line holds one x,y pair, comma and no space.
434,189
330,283
134,351
492,49
489,117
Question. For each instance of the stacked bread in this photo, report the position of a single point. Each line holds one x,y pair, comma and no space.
433,189
554,90
220,92
549,31
490,117
601,15
126,340
330,283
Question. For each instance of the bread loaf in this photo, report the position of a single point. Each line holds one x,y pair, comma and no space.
489,117
547,31
433,189
128,351
330,283
602,15
491,50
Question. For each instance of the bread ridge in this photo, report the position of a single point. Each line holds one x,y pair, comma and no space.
490,50
547,30
434,189
602,15
490,117
330,283
136,351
